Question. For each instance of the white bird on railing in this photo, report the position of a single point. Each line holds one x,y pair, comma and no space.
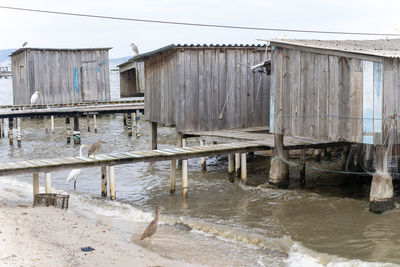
35,97
73,175
134,49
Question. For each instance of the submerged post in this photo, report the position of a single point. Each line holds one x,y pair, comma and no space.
10,131
381,196
172,176
95,123
103,181
35,184
279,171
19,132
68,129
231,168
184,173
237,164
52,124
77,134
2,128
47,176
203,159
243,167
153,135
88,122
111,174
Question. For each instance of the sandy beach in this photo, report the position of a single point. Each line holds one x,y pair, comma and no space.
46,236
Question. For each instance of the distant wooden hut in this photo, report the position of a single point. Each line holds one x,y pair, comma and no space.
61,75
131,77
188,85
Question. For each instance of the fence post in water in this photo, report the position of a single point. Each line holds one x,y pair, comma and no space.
231,167
137,118
88,122
203,159
243,167
279,171
184,173
172,176
19,132
103,181
2,127
47,176
111,175
35,184
68,127
153,135
124,118
179,143
10,131
77,135
133,123
129,123
95,123
52,124
237,164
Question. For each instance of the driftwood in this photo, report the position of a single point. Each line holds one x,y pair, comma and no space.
56,200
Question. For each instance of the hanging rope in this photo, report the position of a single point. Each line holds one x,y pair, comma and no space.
229,91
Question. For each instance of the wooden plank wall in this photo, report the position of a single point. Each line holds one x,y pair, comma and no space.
324,97
53,74
188,87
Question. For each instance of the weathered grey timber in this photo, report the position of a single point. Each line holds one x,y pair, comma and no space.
5,72
131,77
187,86
61,75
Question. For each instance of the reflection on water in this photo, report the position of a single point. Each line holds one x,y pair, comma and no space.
221,223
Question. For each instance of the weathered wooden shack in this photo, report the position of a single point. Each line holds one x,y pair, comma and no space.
189,85
61,75
131,78
339,91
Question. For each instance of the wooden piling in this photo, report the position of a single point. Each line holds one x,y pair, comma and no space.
47,176
137,119
328,154
279,171
2,128
124,118
231,168
103,181
184,173
52,124
46,127
68,129
10,131
317,155
88,122
153,135
237,164
19,132
111,175
129,124
35,184
179,142
303,170
243,167
203,159
77,135
172,176
133,123
95,123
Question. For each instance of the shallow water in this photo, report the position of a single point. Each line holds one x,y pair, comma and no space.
221,223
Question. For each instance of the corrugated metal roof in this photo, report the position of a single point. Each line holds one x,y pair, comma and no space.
58,49
381,47
171,46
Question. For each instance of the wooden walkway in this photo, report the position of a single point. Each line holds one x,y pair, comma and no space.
56,164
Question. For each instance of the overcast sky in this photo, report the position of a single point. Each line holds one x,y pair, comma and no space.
45,30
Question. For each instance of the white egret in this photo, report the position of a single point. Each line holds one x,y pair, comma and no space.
73,175
134,49
35,97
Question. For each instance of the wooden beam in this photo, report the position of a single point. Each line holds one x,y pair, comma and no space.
153,135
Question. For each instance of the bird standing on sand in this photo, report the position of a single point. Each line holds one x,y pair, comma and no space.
73,175
35,97
95,148
134,49
152,228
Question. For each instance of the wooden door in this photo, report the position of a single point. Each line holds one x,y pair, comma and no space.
89,81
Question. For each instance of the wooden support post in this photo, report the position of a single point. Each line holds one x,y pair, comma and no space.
103,181
279,171
124,118
19,132
52,124
2,128
35,184
203,159
317,155
133,123
129,124
95,123
153,135
137,119
47,176
10,131
111,175
88,122
77,134
46,127
381,195
184,173
179,143
303,170
68,129
237,164
172,176
328,154
231,168
243,167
